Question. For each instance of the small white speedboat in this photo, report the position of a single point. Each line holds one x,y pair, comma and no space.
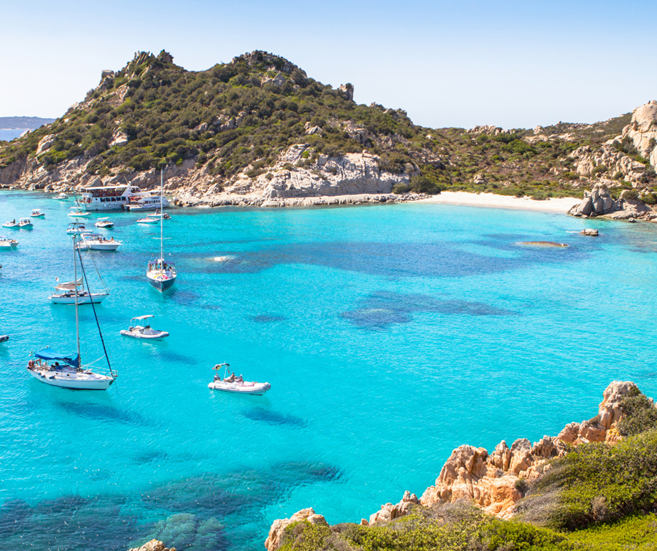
142,330
157,214
236,385
4,338
61,197
104,223
25,224
97,242
7,244
76,228
77,213
36,213
11,224
148,220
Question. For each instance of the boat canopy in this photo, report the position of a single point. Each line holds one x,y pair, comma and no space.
143,317
49,354
69,285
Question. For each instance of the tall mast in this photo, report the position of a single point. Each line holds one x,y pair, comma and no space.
161,215
75,285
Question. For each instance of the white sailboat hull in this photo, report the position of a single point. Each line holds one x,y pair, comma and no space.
80,380
82,299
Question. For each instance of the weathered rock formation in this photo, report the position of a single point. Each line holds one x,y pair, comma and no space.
273,541
599,202
153,545
588,160
643,131
493,481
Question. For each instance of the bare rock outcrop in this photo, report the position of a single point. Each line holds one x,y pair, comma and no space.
642,130
273,540
390,512
599,202
153,545
588,160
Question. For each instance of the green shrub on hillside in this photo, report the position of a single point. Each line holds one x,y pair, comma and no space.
639,414
596,483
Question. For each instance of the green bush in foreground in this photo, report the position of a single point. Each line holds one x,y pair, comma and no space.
449,528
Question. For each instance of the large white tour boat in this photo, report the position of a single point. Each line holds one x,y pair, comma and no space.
122,197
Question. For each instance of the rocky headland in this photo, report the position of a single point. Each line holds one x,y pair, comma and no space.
495,482
258,131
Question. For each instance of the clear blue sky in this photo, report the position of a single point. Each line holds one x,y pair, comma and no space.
447,63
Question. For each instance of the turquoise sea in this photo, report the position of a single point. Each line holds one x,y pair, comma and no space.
390,335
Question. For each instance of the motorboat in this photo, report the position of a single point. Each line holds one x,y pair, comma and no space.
157,214
160,273
140,329
147,220
7,244
97,242
61,197
12,224
71,373
237,385
4,338
76,228
25,224
78,213
148,201
36,213
104,223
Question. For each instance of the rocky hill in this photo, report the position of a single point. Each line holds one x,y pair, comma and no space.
260,131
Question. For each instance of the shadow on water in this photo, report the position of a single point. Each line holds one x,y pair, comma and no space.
150,456
396,259
273,418
384,308
104,413
268,318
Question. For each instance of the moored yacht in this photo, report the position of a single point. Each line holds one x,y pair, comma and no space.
160,273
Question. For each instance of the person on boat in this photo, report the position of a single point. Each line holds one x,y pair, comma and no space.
230,378
239,379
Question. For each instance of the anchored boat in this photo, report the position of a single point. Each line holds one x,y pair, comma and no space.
66,370
237,385
142,330
160,273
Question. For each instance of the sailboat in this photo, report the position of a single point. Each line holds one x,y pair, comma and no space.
161,274
74,292
66,370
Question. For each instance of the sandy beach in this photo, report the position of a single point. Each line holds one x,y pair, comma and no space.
492,200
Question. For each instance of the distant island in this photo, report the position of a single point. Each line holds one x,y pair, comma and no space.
13,127
259,131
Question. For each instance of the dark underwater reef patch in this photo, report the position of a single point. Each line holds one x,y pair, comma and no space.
392,259
69,523
272,417
150,456
383,308
190,513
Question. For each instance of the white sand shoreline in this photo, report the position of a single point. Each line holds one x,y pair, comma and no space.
491,200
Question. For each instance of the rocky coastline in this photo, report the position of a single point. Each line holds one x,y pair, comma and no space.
494,482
